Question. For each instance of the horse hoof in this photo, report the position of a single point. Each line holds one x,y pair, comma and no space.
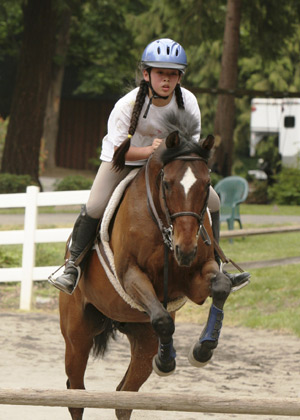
161,370
199,363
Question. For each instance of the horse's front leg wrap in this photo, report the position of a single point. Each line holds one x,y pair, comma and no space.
164,362
201,353
213,326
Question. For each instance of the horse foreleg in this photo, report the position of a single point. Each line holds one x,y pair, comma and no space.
143,344
139,287
202,352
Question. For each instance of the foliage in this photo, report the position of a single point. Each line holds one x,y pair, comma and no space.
103,58
286,189
11,27
10,256
11,183
107,39
267,150
215,178
72,183
258,193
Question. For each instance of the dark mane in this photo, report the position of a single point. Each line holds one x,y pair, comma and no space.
186,125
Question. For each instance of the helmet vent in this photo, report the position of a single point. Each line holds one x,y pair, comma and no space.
177,52
168,50
158,50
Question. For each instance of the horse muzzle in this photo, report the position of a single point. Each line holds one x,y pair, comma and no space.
185,258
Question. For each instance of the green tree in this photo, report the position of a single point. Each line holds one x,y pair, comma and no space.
225,114
101,56
106,42
265,31
22,145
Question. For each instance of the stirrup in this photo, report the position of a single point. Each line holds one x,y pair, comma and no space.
52,280
238,286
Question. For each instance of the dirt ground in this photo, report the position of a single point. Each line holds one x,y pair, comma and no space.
246,363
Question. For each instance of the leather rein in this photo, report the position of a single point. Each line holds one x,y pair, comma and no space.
167,231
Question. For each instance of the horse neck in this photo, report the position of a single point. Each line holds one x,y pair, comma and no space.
152,173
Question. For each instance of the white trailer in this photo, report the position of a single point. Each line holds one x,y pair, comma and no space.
281,117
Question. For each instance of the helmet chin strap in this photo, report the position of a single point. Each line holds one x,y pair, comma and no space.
154,95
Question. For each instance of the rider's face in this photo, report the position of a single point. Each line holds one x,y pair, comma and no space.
163,81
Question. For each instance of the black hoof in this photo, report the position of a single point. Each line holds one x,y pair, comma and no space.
201,353
163,368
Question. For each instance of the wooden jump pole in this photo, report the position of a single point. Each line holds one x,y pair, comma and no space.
151,401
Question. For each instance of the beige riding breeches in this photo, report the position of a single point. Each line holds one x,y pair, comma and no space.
106,181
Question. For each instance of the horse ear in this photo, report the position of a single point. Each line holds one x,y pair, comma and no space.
208,142
173,140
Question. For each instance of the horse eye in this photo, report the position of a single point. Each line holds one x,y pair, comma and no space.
166,185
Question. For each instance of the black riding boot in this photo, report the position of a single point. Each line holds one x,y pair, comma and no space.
84,232
238,280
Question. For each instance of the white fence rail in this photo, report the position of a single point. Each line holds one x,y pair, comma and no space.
31,200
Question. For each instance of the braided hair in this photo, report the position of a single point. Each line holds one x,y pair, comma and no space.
120,152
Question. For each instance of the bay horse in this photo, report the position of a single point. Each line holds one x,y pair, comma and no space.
163,249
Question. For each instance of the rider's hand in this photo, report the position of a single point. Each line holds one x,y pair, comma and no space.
156,143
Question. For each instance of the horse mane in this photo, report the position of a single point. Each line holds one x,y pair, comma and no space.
186,125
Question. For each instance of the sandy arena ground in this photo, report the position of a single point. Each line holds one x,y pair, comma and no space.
246,363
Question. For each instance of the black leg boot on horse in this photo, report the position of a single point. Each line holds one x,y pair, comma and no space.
84,232
238,280
202,351
221,286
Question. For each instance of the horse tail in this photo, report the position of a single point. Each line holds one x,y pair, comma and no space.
101,340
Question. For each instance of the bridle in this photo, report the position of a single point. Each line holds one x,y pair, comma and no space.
167,231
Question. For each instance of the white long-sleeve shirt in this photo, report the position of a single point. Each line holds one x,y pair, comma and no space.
148,128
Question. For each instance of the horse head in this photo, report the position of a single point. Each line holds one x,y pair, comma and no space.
183,193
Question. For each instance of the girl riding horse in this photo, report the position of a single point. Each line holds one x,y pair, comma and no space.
135,130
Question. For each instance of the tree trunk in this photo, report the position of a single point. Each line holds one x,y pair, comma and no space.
54,94
225,115
25,129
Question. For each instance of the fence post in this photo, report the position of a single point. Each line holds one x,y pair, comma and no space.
28,257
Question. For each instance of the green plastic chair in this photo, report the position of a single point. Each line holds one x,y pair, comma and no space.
232,190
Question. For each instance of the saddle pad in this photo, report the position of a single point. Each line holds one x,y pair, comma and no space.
108,262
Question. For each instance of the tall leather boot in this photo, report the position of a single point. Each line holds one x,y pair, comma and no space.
238,280
84,232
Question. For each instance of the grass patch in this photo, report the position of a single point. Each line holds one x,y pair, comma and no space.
262,247
269,210
270,301
44,209
250,209
46,255
44,297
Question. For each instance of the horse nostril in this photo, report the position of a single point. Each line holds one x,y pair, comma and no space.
195,251
185,258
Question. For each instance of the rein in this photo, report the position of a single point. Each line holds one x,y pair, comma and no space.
167,231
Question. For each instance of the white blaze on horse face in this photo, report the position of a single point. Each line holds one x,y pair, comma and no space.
188,180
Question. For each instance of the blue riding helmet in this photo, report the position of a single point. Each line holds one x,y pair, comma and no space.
164,53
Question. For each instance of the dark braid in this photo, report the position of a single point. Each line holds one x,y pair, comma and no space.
119,155
179,98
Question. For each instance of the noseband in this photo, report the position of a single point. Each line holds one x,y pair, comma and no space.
167,231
